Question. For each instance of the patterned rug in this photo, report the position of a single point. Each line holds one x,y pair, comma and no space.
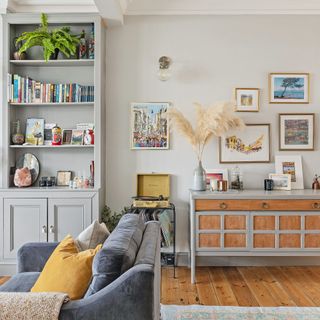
196,312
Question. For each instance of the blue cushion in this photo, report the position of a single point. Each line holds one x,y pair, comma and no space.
118,252
21,282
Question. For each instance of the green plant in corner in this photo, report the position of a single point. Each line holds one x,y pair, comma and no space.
52,41
110,218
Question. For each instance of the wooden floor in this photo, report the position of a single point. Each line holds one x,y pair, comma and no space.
243,286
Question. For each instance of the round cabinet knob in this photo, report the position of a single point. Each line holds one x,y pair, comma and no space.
223,205
44,229
51,229
265,205
315,205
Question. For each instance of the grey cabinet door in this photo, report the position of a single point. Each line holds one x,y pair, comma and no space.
68,216
25,220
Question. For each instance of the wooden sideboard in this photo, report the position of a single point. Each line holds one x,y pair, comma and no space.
254,223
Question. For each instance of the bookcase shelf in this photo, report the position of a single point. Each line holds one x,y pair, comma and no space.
91,104
54,63
63,146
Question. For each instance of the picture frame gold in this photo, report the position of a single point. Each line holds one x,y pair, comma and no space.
292,100
241,107
63,178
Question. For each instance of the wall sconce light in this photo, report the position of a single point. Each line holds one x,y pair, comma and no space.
164,68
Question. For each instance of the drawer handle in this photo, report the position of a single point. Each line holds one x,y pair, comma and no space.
44,229
265,205
223,205
315,205
51,229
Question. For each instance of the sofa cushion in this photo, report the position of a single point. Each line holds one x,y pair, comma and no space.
95,234
21,282
148,247
67,270
118,252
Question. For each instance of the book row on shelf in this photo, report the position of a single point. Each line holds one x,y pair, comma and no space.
26,90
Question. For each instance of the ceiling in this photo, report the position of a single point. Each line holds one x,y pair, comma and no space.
114,10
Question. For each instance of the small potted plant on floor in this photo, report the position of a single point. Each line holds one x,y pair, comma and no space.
53,41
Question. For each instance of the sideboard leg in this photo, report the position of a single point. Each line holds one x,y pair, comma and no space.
192,241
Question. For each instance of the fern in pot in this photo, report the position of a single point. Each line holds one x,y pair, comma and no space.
53,41
211,122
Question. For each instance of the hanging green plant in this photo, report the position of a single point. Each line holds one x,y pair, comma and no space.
52,41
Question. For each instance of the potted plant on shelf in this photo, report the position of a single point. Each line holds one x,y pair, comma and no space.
52,41
211,122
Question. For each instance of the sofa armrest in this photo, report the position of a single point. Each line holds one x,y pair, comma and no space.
131,296
33,256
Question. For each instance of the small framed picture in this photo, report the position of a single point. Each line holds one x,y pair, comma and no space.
63,178
296,131
289,88
251,145
280,181
66,136
218,174
247,99
291,165
77,137
48,132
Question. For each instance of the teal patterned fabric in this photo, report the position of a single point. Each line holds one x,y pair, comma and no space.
196,312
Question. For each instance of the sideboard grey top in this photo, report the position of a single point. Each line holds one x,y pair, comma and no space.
256,194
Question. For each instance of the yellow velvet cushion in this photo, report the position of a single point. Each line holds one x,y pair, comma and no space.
67,270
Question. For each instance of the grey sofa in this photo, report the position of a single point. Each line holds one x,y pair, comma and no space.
126,274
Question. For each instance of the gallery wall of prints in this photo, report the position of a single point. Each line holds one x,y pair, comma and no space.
212,56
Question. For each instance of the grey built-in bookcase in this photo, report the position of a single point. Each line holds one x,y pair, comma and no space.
37,214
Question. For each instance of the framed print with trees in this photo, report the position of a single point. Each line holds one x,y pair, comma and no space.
289,88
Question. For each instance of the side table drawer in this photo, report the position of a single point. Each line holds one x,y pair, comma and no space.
222,205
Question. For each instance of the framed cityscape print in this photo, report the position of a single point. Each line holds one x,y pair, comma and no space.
296,131
149,126
247,99
281,181
289,87
291,165
250,145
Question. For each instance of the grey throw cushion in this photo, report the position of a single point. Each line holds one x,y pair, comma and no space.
118,252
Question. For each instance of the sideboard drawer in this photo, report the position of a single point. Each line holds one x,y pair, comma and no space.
284,205
222,205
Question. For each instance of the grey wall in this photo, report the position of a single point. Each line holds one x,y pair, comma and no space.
212,55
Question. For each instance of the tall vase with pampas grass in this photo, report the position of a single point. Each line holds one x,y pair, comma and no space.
213,121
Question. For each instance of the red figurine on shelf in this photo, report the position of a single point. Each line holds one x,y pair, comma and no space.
56,136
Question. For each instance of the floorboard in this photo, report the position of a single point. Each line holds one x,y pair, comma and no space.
243,286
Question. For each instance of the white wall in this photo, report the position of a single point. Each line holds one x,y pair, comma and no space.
212,55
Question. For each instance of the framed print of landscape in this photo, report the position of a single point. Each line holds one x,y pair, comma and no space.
149,126
250,145
247,99
289,87
296,131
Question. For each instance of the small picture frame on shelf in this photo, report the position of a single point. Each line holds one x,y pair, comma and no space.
35,131
247,99
77,137
64,178
291,165
296,131
48,133
217,174
66,136
288,88
281,181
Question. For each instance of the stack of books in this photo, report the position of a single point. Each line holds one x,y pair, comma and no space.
26,90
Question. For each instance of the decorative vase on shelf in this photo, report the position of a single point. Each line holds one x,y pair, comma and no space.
199,178
17,136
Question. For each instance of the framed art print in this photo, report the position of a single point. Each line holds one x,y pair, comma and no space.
289,87
247,99
218,174
296,131
280,181
77,137
252,144
291,165
149,126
